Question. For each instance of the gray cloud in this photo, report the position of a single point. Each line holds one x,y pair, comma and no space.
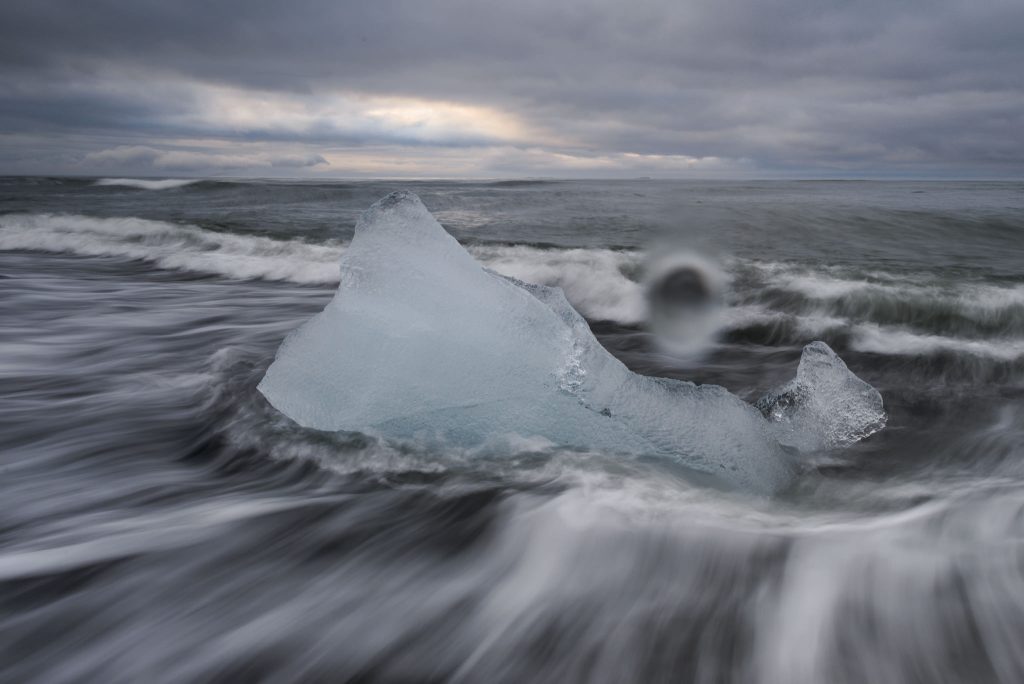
190,160
792,87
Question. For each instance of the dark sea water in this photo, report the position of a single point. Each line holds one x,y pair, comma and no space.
160,522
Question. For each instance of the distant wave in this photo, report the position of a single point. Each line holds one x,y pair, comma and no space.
757,325
922,303
148,183
593,279
772,303
874,338
180,247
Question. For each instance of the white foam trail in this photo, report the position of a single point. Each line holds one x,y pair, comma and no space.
602,284
595,281
976,301
825,283
180,247
870,337
147,183
745,315
873,338
819,287
992,298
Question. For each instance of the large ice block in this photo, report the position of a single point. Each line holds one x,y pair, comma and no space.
421,341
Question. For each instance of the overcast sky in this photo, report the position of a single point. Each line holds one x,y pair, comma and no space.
462,88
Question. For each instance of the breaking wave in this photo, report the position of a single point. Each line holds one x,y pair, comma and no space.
603,284
596,281
769,303
173,246
873,338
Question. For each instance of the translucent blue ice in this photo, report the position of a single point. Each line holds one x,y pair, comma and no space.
422,341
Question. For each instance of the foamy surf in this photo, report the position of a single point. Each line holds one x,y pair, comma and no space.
894,341
594,280
877,311
179,247
162,521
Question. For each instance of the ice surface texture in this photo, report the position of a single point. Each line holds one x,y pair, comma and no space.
825,406
422,341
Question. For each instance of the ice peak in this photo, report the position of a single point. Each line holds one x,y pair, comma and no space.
399,198
401,209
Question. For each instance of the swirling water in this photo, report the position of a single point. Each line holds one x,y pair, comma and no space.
161,522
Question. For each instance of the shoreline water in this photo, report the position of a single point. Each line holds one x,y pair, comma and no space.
162,522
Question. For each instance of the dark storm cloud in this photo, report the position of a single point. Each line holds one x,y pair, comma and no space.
918,87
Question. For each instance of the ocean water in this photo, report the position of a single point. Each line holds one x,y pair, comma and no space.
161,522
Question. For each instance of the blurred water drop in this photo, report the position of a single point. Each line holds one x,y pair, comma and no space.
685,295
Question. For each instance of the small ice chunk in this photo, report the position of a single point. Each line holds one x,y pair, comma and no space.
420,341
825,406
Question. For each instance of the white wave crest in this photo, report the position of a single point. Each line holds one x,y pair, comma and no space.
602,284
147,183
173,246
825,285
741,316
873,338
595,281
